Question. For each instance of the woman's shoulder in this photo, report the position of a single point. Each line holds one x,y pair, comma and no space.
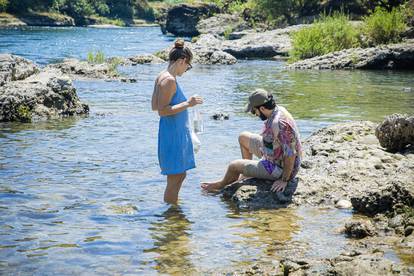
165,76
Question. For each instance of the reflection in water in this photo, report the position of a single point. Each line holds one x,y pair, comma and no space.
271,230
171,242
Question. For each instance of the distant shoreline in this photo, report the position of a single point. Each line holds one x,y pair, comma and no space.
38,19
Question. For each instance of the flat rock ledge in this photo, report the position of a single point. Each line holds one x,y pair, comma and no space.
39,97
394,56
340,162
77,69
14,68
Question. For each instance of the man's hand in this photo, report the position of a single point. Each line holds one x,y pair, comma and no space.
279,186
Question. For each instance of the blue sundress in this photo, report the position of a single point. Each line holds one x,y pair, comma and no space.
175,148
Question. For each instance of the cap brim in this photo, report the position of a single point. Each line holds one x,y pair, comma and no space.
248,108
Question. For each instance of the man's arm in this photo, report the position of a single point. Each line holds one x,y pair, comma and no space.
280,184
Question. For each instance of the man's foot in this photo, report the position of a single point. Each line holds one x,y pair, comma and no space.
211,187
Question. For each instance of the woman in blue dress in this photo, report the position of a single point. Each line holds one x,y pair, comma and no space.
175,148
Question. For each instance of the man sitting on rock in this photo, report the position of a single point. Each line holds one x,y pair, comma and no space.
278,147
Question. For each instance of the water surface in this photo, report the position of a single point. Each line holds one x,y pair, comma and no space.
84,195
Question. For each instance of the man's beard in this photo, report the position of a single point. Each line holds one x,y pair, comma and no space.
262,116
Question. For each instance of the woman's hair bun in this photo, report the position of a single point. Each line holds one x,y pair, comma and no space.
179,43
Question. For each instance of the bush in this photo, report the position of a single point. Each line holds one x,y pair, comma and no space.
383,27
98,58
3,5
329,34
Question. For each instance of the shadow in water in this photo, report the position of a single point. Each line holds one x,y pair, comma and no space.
54,124
171,242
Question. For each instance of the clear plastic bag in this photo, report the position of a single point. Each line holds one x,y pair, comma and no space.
198,125
196,141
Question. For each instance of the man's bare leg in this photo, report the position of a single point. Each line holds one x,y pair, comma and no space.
232,174
244,142
174,182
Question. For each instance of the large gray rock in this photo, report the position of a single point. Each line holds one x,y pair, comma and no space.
221,24
396,56
396,132
261,44
255,193
42,96
14,68
182,19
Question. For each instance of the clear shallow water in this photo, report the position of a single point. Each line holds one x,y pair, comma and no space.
84,195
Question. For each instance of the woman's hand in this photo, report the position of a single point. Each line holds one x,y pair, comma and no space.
194,100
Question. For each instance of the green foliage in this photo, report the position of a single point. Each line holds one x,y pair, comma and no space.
80,9
227,32
113,65
384,26
3,5
329,34
24,113
98,58
287,9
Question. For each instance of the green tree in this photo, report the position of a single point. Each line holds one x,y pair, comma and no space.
121,8
3,5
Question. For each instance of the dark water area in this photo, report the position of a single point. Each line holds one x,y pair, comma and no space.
84,195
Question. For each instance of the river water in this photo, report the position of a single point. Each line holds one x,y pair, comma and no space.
83,196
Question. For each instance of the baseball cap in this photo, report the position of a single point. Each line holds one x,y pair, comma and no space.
257,98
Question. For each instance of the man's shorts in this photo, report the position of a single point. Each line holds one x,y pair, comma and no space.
255,168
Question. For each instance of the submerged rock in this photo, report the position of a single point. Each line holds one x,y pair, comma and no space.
359,229
14,68
396,132
220,116
394,56
46,95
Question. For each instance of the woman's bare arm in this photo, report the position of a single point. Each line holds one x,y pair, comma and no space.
166,91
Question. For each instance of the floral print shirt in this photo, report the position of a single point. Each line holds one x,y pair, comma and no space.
280,139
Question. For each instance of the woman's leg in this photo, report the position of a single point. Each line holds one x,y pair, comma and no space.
174,182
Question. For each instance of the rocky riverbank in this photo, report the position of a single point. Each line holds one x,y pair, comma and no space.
35,19
394,56
344,166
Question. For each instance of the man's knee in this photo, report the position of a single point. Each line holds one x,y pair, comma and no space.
236,165
244,138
